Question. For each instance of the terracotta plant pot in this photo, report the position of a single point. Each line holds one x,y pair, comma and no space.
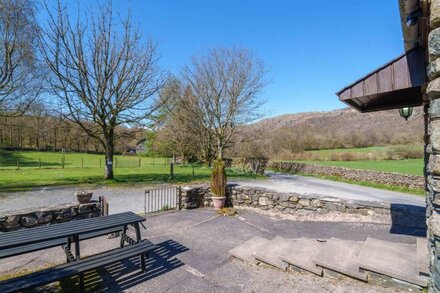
83,196
219,202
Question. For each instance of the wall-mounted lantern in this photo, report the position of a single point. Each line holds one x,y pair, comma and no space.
405,112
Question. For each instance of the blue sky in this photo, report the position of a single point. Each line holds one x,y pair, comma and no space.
313,48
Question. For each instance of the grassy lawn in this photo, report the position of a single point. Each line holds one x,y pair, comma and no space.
127,170
409,166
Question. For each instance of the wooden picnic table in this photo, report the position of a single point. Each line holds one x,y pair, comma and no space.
38,238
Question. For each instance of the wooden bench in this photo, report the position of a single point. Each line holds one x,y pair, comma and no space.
77,267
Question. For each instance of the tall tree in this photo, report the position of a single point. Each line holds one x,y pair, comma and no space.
20,72
226,84
105,74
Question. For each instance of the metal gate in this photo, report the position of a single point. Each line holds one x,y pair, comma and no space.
161,199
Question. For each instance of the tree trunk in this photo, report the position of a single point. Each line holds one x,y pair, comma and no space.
109,157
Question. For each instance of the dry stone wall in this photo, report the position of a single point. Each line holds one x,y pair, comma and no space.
293,203
27,218
432,149
386,178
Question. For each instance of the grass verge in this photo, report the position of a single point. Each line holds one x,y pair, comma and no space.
416,191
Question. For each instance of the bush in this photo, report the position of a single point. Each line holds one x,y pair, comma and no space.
218,178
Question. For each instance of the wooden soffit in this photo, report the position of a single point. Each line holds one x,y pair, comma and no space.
394,85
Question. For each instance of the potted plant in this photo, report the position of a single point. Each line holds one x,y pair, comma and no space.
218,184
83,196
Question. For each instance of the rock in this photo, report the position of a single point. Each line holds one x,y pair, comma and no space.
84,208
433,89
434,20
433,70
365,212
13,220
263,201
434,224
44,217
434,42
28,221
284,197
304,202
255,196
335,207
434,132
322,211
293,198
317,203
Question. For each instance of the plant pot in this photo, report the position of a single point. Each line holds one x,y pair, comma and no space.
83,197
219,202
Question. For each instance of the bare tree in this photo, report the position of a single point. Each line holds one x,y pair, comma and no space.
106,75
20,72
226,85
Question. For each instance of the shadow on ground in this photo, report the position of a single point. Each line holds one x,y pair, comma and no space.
408,220
124,275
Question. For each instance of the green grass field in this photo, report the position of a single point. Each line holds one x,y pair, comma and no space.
409,166
85,169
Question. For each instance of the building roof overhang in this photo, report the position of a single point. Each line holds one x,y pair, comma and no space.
394,85
398,83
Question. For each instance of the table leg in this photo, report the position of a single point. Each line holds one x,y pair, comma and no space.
77,257
124,231
69,247
77,253
138,239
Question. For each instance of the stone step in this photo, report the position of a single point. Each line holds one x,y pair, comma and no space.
246,250
271,252
395,260
301,253
423,256
341,256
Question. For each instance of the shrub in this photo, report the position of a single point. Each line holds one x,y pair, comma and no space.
218,178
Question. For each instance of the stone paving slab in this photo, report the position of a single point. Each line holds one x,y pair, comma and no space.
341,256
396,260
271,252
246,251
423,256
301,254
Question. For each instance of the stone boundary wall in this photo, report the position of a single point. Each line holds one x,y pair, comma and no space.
386,178
293,203
32,217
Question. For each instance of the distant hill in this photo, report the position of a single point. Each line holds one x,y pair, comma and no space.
347,120
284,135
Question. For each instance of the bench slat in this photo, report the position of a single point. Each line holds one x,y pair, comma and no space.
74,268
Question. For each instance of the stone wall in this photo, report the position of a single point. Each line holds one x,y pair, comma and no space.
27,218
391,179
257,166
432,139
294,203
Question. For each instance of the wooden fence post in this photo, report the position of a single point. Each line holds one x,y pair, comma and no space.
18,164
139,162
153,162
39,163
62,163
172,170
193,170
100,163
82,162
116,162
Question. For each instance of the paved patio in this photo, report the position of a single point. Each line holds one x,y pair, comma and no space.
192,255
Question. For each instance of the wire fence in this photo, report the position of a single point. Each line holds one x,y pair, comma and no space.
52,161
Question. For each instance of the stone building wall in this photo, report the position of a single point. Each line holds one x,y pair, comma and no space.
386,178
432,170
27,218
294,203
